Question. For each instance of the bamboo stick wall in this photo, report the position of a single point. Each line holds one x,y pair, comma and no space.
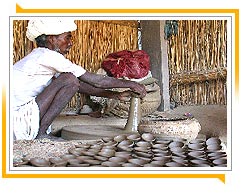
197,55
21,45
198,62
92,41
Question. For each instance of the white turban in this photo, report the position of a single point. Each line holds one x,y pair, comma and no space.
49,26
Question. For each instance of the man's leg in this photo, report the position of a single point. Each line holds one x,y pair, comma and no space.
54,98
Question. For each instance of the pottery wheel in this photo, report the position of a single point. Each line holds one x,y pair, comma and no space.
90,132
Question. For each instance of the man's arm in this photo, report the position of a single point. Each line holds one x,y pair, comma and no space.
106,82
99,92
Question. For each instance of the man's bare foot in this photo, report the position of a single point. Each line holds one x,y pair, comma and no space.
49,136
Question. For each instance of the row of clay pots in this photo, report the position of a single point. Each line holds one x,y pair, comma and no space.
208,152
137,150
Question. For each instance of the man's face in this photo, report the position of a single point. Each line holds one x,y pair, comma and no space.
62,43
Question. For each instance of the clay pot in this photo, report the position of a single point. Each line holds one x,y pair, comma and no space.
101,158
160,149
201,165
123,154
143,158
197,141
107,152
181,161
74,161
92,161
162,141
217,155
95,142
178,150
86,146
39,162
198,161
197,154
213,140
160,155
221,165
141,149
90,153
94,150
107,139
126,143
117,159
130,165
26,159
97,147
162,158
220,161
213,147
76,151
196,146
58,162
111,164
144,154
151,165
143,144
179,154
134,137
108,147
25,166
160,146
125,148
19,164
110,143
178,157
149,137
176,144
158,163
137,161
183,140
82,158
78,165
120,138
174,164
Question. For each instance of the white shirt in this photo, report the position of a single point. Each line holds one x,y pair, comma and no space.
35,71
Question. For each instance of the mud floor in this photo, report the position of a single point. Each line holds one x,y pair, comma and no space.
212,118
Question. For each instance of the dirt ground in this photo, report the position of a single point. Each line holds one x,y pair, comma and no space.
212,118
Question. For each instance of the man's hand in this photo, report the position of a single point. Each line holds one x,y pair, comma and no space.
139,90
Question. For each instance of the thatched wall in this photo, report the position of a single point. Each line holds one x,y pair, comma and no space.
197,54
93,40
198,62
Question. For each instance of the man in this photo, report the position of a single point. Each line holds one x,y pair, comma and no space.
44,81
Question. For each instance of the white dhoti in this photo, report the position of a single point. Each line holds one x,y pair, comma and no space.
26,121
